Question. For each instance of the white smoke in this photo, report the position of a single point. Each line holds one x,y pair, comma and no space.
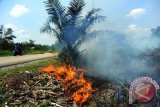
115,57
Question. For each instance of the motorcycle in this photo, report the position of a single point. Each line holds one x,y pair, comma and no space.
17,52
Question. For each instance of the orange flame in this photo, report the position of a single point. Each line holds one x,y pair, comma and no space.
76,86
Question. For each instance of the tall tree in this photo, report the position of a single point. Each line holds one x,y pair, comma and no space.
71,27
6,34
6,37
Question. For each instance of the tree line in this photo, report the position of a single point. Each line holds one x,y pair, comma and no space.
7,44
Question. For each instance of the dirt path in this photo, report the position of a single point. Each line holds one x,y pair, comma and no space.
13,60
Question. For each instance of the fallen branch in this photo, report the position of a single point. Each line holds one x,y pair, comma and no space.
55,104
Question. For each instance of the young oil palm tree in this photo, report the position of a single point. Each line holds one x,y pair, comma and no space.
70,27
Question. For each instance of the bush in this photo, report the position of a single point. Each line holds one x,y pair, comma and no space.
6,53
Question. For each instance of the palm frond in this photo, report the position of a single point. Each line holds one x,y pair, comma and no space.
75,10
84,30
75,7
56,12
48,29
89,36
91,18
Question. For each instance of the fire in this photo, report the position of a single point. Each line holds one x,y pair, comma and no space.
76,86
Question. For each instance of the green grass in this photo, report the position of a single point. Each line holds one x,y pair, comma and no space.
38,52
6,53
31,67
34,52
28,52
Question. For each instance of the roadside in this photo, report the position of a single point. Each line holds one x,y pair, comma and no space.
14,60
31,67
5,53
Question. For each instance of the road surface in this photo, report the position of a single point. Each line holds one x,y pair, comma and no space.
14,60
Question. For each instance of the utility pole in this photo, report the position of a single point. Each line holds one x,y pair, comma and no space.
1,31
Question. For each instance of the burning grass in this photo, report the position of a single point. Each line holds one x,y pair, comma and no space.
76,86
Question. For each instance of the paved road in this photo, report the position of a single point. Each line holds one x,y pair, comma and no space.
13,60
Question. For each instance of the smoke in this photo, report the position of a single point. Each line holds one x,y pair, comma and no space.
118,57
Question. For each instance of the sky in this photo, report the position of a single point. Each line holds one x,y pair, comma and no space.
131,17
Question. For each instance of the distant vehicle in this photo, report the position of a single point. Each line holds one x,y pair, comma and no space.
17,50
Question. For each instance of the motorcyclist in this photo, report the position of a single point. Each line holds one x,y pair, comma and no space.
17,50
